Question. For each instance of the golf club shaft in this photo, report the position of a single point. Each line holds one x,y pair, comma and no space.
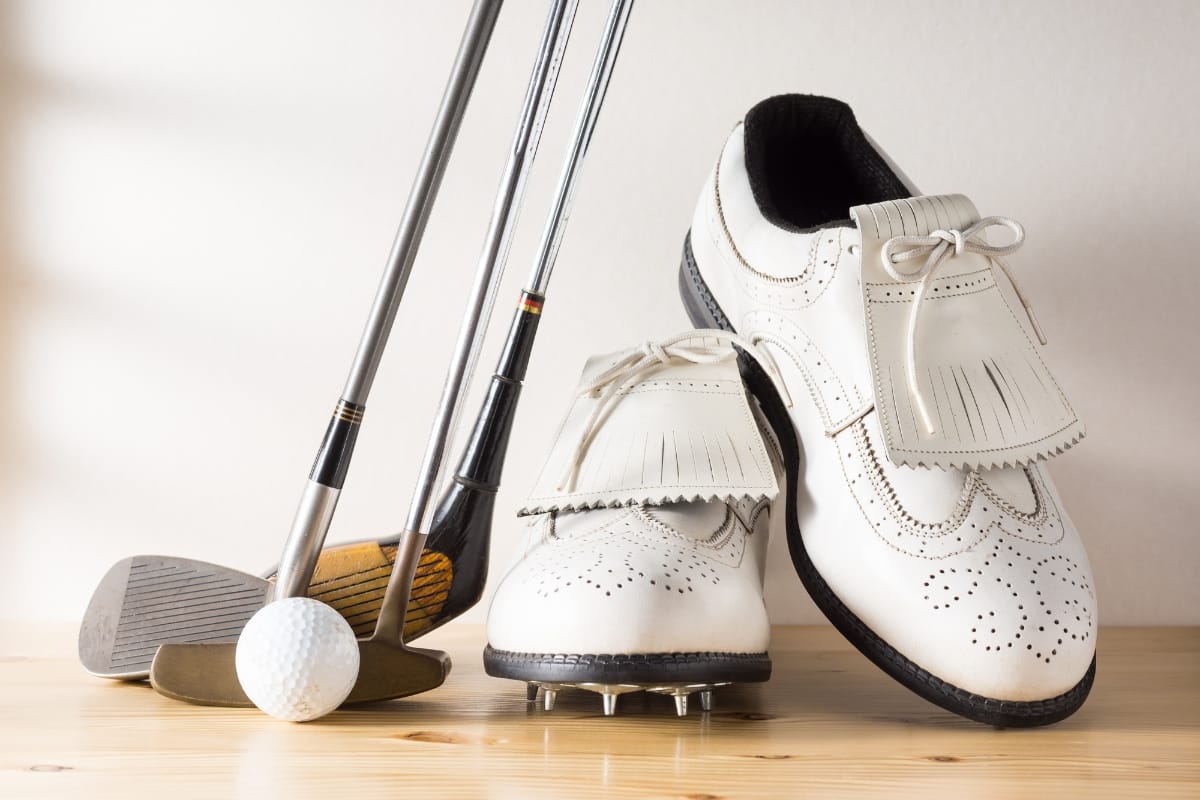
482,298
463,520
585,124
328,473
495,251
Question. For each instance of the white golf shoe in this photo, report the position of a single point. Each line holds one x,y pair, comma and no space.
647,531
916,414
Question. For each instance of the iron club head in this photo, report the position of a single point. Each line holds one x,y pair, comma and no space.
145,601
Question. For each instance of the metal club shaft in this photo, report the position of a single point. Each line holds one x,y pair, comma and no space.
320,497
494,256
460,526
391,617
542,83
585,124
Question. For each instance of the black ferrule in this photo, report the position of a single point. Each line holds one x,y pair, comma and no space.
483,457
333,459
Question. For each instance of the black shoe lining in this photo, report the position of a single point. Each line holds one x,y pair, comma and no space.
809,162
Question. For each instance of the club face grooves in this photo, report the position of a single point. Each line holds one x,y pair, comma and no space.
145,601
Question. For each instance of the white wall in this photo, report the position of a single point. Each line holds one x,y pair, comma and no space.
197,198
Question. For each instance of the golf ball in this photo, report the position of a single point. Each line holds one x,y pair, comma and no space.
297,659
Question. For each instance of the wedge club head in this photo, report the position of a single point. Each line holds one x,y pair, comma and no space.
145,601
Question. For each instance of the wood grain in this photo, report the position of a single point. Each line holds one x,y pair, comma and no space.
827,725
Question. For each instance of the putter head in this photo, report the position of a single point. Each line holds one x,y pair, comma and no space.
201,674
206,674
145,601
388,670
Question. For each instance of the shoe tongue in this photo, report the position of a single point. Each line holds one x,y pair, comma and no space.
978,368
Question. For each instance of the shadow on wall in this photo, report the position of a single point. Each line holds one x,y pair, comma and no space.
1137,522
13,275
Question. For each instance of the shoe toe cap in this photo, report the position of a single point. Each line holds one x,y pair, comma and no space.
999,625
631,592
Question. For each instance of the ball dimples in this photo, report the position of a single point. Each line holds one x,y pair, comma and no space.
297,659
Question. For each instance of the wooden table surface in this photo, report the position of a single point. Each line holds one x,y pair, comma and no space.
828,724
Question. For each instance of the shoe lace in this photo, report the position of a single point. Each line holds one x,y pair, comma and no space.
608,383
937,248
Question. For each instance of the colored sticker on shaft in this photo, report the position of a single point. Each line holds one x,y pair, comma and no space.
531,303
349,412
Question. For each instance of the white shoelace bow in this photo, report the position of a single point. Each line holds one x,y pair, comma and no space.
651,354
936,249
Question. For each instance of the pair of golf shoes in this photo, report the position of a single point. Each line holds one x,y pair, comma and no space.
869,381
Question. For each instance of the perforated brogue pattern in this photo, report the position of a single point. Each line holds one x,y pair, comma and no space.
834,399
975,513
636,551
979,603
996,567
939,289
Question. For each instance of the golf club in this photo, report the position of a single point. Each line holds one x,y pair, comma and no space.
126,621
141,599
462,524
205,673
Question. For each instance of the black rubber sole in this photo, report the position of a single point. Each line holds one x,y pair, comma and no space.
650,668
704,312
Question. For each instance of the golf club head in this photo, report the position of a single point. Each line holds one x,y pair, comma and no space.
200,674
388,670
206,674
145,601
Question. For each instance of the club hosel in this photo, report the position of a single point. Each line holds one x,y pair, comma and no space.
304,543
318,502
390,625
483,456
461,530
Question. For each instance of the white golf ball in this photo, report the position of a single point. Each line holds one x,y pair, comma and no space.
297,659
